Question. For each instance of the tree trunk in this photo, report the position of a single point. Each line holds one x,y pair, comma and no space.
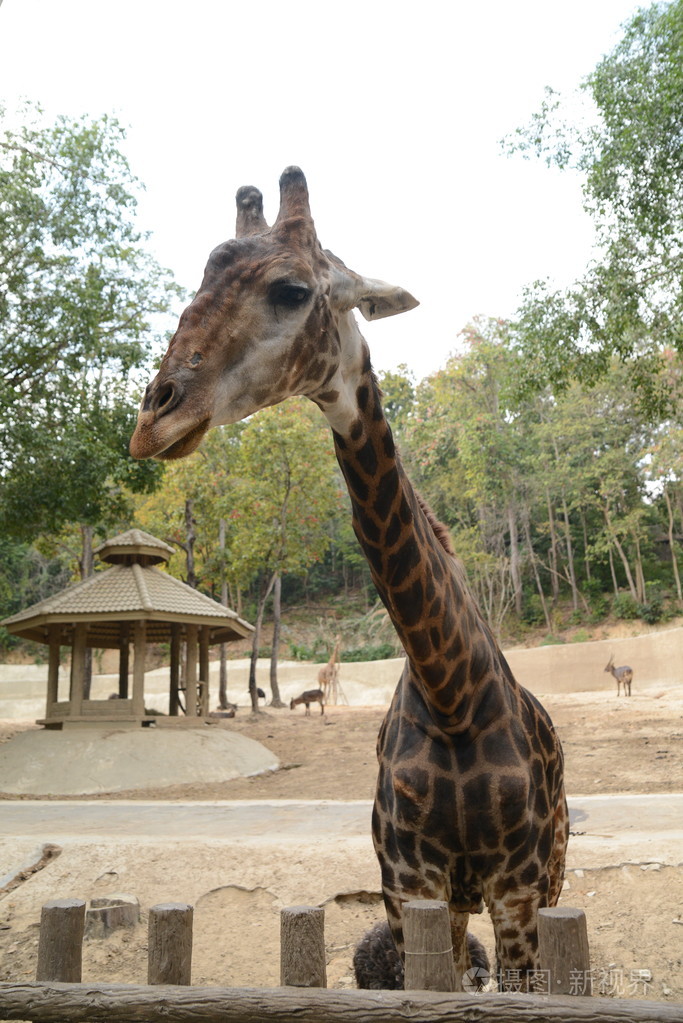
276,700
640,577
256,641
554,574
570,556
534,565
672,545
586,559
515,574
87,569
190,537
622,554
223,665
613,570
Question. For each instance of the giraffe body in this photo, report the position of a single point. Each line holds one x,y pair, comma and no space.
470,803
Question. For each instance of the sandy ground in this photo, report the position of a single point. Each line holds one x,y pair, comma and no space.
634,909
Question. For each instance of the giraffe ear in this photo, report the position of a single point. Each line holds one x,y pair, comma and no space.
378,299
375,299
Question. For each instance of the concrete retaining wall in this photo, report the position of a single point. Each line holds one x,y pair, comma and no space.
656,659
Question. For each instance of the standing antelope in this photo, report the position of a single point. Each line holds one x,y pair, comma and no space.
623,674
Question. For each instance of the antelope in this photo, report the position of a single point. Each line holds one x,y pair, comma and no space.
309,697
623,674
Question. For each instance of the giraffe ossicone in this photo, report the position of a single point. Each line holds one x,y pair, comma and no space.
470,805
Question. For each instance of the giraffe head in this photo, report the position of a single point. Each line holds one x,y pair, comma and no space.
269,321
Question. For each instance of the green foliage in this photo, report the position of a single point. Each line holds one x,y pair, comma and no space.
629,304
624,606
79,295
316,652
282,493
532,612
398,397
652,611
372,652
597,600
7,640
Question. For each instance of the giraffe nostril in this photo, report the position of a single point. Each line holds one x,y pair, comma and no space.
166,398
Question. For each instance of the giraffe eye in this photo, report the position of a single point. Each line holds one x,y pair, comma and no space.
289,295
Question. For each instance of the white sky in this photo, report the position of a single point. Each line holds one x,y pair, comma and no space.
393,110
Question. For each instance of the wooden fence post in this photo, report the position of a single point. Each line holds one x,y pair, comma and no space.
60,945
170,944
563,950
302,947
428,947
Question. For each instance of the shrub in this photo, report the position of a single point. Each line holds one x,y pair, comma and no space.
380,652
597,601
301,652
624,606
7,640
653,611
532,612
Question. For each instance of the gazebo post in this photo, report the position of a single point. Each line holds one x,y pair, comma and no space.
204,636
173,703
54,634
191,672
124,659
140,649
77,671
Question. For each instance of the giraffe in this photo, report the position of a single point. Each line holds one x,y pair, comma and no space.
470,805
328,676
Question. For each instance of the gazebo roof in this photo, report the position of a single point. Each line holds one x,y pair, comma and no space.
134,545
129,591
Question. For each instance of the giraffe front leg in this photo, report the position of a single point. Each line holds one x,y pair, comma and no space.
465,978
514,918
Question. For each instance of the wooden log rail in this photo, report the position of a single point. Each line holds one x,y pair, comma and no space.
57,996
127,1003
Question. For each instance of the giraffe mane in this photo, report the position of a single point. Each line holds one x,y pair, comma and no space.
439,529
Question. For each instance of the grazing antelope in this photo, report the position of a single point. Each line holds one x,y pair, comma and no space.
309,697
624,675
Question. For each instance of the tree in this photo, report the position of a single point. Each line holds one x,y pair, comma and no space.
465,447
284,494
629,303
79,298
398,397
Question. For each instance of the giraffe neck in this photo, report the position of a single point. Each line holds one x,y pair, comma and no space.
420,582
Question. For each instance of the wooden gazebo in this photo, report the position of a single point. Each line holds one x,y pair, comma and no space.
131,604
